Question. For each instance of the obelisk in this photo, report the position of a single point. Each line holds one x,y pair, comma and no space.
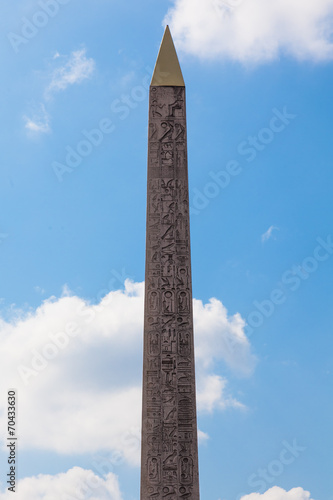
169,459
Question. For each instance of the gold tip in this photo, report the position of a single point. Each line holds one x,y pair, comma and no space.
167,72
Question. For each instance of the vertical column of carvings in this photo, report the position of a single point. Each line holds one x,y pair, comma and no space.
169,466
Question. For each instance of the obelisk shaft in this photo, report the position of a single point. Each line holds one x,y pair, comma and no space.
169,466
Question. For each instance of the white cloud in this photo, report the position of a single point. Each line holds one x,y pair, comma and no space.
211,394
74,484
39,122
253,30
277,493
221,337
269,233
76,68
78,366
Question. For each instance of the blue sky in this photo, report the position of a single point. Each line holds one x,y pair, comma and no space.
75,85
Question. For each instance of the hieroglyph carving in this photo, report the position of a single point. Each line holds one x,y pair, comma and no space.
169,468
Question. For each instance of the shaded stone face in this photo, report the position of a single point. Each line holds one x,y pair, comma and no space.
169,467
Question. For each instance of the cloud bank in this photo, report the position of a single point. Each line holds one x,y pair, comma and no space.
78,483
253,31
81,483
78,366
72,485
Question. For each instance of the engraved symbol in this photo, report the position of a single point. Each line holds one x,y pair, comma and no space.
154,258
168,127
153,131
176,108
168,365
182,231
155,222
169,432
153,411
167,186
153,185
169,398
168,268
153,301
153,493
180,159
167,219
170,414
184,364
153,441
152,426
167,247
182,277
155,108
181,259
185,378
153,364
169,340
170,476
168,490
166,321
168,306
152,321
182,322
167,154
186,470
154,203
185,410
169,233
155,270
165,282
152,282
153,344
153,470
180,131
184,493
169,206
185,447
183,302
184,343
170,461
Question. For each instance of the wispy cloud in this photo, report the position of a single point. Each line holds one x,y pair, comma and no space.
75,69
269,233
66,70
253,31
39,122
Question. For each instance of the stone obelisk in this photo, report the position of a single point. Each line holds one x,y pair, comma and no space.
169,460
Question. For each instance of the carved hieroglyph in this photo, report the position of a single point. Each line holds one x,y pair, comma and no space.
169,466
